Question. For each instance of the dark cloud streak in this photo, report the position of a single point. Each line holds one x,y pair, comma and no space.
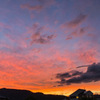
68,74
91,75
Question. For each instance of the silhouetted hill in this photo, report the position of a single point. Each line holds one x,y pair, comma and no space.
14,94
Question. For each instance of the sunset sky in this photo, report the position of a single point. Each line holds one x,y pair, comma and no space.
50,46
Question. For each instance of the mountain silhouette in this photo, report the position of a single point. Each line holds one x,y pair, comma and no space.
15,94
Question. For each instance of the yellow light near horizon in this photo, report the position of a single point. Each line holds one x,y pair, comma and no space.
77,97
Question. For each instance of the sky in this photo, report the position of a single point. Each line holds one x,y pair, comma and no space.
50,46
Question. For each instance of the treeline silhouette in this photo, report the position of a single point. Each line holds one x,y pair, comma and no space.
15,94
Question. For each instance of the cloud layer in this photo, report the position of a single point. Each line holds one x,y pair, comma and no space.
91,75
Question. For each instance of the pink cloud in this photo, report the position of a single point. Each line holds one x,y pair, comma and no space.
87,52
75,22
29,7
88,56
43,4
38,35
3,25
77,33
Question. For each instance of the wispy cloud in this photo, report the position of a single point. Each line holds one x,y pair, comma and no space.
87,56
38,36
29,7
75,22
42,39
42,4
77,33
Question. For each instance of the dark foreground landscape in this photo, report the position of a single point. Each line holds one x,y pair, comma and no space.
15,94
